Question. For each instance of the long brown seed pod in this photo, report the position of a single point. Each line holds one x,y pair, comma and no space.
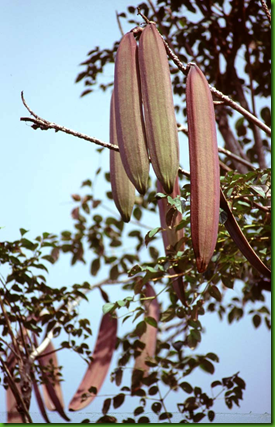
123,190
98,368
129,117
149,338
171,236
157,97
204,167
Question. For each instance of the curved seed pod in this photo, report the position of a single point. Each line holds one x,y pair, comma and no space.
172,236
204,167
51,390
129,116
40,401
157,97
122,188
13,415
239,238
98,368
149,338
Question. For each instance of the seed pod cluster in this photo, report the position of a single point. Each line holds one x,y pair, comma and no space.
143,116
204,167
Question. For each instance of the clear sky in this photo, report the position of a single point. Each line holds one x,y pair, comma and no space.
42,44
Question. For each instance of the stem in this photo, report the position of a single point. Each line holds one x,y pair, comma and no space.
19,401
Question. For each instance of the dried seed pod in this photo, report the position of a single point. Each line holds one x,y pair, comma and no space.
149,338
171,236
99,366
122,188
204,167
157,97
129,117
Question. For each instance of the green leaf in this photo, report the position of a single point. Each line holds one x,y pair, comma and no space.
161,196
108,307
150,235
151,321
23,231
207,366
215,293
141,328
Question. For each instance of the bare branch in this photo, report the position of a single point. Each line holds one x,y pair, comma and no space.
265,8
119,24
39,123
228,101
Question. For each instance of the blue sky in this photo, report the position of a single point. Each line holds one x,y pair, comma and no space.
42,45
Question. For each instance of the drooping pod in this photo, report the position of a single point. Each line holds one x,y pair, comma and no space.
157,97
99,366
171,236
123,190
129,116
204,167
149,338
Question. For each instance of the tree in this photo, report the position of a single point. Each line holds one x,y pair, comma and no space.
209,31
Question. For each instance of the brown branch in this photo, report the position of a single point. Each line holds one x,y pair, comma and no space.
182,128
39,123
119,24
265,8
228,101
19,400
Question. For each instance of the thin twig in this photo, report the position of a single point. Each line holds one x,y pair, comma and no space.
19,400
265,8
182,128
45,125
249,116
119,24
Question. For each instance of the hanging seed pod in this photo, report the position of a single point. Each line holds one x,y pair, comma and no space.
129,116
157,97
204,167
123,190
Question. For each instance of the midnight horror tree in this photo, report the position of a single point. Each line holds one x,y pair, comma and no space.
165,294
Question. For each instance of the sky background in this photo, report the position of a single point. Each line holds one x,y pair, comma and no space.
42,44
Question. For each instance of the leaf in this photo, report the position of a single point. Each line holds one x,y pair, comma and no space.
256,320
95,266
239,238
215,293
198,417
98,368
207,366
215,383
156,407
118,400
211,415
108,307
186,387
151,321
150,235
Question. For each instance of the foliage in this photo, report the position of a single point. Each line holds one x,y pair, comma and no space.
212,35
